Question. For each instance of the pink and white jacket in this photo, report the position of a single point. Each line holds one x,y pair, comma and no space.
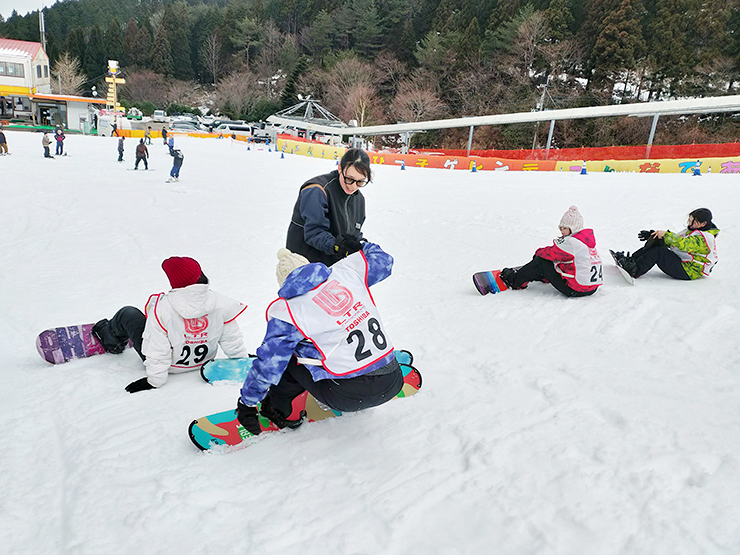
184,329
576,259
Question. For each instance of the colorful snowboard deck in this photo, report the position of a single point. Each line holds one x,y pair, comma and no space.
60,345
223,429
236,369
489,282
628,278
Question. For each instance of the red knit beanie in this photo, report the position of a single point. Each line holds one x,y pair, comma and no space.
181,271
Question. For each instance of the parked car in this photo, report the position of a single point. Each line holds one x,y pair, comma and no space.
187,127
159,116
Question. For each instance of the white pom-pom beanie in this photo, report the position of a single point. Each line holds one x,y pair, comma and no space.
287,262
572,219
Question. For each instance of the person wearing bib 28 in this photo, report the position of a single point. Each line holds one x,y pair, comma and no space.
327,219
686,255
324,335
572,265
179,331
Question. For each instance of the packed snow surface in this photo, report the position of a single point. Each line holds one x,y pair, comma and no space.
545,425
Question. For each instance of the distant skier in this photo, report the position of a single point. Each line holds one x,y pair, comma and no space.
182,329
571,265
45,142
176,165
120,148
324,334
3,142
171,142
142,153
59,137
148,135
686,255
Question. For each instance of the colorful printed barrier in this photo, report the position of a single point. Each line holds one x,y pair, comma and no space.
717,165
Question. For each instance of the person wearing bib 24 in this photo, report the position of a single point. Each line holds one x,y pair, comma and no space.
327,219
572,265
686,255
181,330
325,336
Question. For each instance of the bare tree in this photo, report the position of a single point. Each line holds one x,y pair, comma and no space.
210,53
67,77
181,92
361,104
417,103
236,93
143,84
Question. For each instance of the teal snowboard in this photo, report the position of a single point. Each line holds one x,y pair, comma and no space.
236,369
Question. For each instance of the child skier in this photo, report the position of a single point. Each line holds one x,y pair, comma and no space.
59,137
120,148
572,265
45,142
324,335
182,329
686,255
176,165
3,142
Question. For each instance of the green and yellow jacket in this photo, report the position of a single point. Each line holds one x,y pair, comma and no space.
697,250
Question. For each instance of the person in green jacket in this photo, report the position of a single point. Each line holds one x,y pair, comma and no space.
687,255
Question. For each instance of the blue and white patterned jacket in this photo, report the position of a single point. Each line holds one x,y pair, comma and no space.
283,340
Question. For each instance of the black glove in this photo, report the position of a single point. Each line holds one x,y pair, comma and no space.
247,417
139,385
644,235
344,246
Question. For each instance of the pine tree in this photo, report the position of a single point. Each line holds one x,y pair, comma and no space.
96,61
114,43
289,94
620,44
161,53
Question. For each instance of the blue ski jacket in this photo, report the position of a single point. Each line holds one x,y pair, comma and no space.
283,340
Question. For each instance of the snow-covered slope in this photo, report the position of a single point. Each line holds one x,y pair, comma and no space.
609,424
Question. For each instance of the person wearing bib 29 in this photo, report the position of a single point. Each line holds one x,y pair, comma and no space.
572,264
686,255
325,336
178,331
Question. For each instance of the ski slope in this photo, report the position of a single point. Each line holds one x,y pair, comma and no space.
546,425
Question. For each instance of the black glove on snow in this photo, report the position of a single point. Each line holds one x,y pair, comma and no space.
344,246
139,385
247,417
644,235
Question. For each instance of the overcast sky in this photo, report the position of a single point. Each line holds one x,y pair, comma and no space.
22,6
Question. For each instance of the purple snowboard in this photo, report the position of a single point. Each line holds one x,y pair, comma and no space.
60,345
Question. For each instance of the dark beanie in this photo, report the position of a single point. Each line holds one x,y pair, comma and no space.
181,271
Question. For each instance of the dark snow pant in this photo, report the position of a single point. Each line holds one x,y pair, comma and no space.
47,152
60,148
175,172
345,395
541,269
120,156
667,260
141,159
127,323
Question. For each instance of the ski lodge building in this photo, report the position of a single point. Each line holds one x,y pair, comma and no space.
25,90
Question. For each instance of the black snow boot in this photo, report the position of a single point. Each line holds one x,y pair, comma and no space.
110,342
276,417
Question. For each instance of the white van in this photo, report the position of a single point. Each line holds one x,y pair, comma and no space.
228,129
159,116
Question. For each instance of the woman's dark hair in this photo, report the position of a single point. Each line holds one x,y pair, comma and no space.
703,215
359,159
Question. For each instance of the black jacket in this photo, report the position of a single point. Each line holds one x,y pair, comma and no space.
322,213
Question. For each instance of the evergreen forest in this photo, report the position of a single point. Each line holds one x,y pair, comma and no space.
387,61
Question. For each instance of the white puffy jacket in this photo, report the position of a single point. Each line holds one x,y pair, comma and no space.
184,329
